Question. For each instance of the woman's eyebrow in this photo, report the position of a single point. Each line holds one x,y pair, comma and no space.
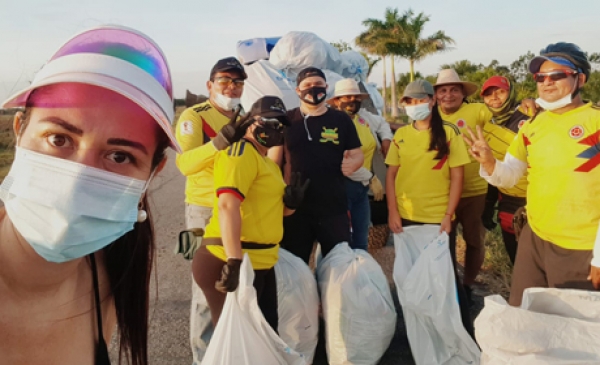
128,143
61,123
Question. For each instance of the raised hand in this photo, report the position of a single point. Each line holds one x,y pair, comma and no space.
479,148
232,131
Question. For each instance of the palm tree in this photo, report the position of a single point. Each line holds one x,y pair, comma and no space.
407,38
373,41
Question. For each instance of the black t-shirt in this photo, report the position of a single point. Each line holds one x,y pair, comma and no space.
316,150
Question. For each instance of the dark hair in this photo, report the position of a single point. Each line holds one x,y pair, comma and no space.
438,134
129,261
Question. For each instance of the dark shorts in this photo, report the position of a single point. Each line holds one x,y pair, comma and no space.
542,264
302,229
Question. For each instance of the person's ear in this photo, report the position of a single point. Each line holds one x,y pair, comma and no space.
161,165
18,125
582,79
298,91
209,86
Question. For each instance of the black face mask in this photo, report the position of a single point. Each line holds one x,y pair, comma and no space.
315,95
350,107
268,137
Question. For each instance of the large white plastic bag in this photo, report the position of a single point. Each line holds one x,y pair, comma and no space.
359,312
552,326
251,50
264,79
424,278
375,96
298,304
298,50
332,78
355,65
242,335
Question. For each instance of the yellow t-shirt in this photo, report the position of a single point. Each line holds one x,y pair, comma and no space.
196,127
257,181
499,138
367,141
423,183
563,157
472,115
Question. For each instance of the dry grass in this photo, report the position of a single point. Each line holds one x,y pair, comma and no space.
496,271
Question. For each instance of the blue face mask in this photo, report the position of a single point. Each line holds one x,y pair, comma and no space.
66,210
418,112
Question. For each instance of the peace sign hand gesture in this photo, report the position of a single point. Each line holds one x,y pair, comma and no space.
233,131
480,149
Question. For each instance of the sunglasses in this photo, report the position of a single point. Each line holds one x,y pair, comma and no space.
553,75
226,81
272,123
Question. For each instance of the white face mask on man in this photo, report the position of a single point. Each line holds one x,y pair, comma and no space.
66,210
225,102
558,104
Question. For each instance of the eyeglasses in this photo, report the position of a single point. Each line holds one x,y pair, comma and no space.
272,123
225,81
553,75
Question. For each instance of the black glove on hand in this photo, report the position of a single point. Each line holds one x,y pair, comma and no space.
294,192
232,131
230,276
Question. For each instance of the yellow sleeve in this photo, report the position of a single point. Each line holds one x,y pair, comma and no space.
458,151
485,115
196,154
236,169
393,156
518,147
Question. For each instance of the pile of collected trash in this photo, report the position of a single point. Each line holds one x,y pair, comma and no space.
272,65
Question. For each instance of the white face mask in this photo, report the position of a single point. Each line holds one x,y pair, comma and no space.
66,210
417,112
225,102
553,105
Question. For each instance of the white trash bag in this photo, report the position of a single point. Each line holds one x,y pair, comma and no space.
331,78
356,66
298,304
375,96
425,282
359,312
296,51
264,79
552,327
242,335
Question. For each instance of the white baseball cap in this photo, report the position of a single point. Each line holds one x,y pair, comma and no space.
116,58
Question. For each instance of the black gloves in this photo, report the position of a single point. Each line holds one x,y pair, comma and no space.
230,276
232,131
294,192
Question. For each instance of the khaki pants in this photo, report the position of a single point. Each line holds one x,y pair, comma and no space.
201,327
468,214
542,264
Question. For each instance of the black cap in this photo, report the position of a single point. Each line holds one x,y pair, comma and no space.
309,72
228,64
270,107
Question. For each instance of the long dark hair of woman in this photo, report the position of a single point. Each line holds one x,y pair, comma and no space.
438,135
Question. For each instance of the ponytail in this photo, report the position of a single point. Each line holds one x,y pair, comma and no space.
438,134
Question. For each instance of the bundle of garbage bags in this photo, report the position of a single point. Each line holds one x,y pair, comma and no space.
272,65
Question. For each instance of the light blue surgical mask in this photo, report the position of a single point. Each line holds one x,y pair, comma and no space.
66,210
418,112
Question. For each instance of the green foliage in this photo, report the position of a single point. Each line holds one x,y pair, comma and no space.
342,46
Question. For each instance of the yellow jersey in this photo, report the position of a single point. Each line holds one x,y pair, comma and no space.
257,181
367,140
563,157
423,183
499,137
472,115
196,127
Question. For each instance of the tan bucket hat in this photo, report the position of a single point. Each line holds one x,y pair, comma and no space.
346,87
449,76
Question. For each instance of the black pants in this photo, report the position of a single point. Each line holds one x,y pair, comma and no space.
463,303
207,270
303,228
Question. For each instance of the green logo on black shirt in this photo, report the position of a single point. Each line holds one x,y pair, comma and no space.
329,135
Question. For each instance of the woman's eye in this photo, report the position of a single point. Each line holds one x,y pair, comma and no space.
58,140
121,157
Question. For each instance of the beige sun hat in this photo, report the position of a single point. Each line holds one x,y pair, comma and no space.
346,87
449,76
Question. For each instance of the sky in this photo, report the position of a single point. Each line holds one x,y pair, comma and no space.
194,34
